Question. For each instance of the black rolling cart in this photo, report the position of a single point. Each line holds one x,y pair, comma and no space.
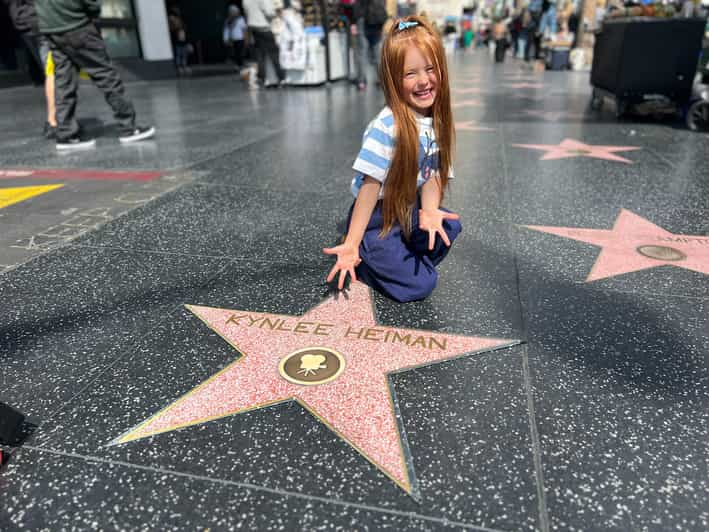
641,58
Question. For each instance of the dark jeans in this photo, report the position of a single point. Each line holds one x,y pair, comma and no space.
33,43
402,269
266,46
236,51
84,48
373,34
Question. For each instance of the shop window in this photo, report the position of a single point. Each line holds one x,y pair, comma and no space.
119,28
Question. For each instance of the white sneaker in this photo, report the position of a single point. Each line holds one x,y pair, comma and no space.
139,133
75,143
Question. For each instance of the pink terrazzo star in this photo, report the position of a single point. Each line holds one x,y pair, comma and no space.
468,90
471,125
573,148
524,85
357,405
521,78
526,96
636,244
552,116
467,103
517,75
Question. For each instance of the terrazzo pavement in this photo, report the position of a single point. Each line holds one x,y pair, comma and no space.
596,420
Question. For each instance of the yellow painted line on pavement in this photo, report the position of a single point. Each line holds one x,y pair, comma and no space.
10,196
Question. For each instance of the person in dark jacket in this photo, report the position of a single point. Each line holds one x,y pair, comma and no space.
76,43
369,17
24,18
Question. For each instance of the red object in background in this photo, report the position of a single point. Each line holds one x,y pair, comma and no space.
69,173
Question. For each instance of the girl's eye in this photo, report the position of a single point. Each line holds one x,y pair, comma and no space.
429,69
409,74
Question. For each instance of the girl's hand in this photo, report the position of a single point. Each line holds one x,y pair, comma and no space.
432,221
347,259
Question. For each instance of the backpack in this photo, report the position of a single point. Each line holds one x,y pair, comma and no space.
375,13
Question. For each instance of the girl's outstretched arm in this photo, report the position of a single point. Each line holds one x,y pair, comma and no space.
430,216
348,252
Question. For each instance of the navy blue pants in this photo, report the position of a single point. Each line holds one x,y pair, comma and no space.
404,270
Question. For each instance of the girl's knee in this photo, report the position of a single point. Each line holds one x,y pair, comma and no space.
453,228
419,288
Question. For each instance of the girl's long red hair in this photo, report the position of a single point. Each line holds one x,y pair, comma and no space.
400,186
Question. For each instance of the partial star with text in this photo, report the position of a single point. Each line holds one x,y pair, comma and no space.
334,360
568,148
636,244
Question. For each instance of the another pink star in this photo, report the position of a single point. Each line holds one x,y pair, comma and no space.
468,90
468,103
573,148
357,405
636,244
524,85
551,116
520,77
526,96
471,125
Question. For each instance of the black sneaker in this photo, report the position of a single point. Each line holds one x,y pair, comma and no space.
50,131
139,133
75,143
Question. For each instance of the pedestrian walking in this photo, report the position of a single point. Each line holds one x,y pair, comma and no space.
259,14
234,35
24,18
76,43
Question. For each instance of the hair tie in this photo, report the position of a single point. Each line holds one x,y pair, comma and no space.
404,25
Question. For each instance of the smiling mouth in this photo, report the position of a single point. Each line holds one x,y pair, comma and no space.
423,94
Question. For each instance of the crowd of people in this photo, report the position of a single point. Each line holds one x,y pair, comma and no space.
525,29
256,34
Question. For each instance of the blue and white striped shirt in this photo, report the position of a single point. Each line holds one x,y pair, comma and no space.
377,151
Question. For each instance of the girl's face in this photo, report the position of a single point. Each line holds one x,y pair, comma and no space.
420,81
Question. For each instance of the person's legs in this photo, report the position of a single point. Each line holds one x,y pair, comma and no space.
390,267
361,55
180,56
36,71
32,43
87,50
65,88
48,67
374,37
239,53
537,46
273,54
259,43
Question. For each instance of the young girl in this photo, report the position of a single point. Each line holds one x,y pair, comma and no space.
397,233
